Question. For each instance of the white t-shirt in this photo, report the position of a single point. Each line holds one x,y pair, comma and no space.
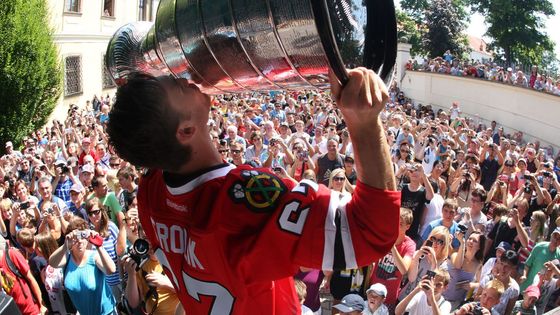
430,156
419,305
433,211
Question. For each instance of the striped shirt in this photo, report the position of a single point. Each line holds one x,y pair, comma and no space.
110,246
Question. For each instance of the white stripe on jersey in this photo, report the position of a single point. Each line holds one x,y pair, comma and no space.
330,232
349,254
188,187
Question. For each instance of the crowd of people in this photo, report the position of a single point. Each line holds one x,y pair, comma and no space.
479,231
488,70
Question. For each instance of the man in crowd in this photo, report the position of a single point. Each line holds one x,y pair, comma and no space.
107,199
329,162
269,221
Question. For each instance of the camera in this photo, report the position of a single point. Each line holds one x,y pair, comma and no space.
477,310
277,169
81,234
50,210
24,205
302,154
547,174
139,252
527,177
462,228
430,274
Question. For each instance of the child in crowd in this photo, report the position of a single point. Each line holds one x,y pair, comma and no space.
527,305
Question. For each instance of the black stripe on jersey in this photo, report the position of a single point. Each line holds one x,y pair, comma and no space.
339,261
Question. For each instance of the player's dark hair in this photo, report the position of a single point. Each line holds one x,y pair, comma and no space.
142,124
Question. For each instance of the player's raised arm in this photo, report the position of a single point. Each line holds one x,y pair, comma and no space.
360,101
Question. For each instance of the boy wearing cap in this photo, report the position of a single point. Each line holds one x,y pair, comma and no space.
547,281
527,305
375,297
351,304
500,250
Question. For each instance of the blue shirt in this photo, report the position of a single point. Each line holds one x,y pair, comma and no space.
62,190
455,243
87,287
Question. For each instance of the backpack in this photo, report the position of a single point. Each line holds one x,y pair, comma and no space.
16,271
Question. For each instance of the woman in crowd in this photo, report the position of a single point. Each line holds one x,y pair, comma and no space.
339,183
464,184
52,222
86,266
529,236
257,152
432,255
465,268
52,278
114,242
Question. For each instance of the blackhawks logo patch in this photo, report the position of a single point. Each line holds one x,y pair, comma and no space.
259,191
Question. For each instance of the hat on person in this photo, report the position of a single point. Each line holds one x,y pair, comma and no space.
509,69
522,160
86,140
87,168
533,291
511,257
350,303
555,262
504,245
378,289
9,144
284,124
77,188
556,230
60,162
349,158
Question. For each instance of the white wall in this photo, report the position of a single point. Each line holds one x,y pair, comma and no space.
87,34
534,113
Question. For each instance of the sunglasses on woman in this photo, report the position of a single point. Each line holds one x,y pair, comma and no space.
339,178
94,212
438,241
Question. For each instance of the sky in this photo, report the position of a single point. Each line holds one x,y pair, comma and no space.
477,27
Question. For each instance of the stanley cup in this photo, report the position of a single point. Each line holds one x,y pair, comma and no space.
231,46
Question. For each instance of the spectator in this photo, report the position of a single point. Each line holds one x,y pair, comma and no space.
527,305
414,196
351,304
547,282
489,264
127,181
85,268
376,295
449,211
426,298
472,217
301,290
25,291
108,200
541,253
503,270
390,269
489,298
114,241
465,267
258,152
329,162
431,256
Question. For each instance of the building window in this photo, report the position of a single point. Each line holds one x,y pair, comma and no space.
72,75
145,10
106,77
109,8
72,6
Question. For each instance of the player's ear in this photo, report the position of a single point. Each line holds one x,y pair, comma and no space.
185,132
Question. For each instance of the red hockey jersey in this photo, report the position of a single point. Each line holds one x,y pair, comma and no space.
231,239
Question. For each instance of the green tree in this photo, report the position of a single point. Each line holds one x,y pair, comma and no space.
409,32
516,28
445,24
30,74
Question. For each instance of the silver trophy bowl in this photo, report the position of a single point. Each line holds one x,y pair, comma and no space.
231,46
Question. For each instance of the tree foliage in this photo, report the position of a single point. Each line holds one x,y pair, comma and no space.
409,32
29,68
516,28
439,25
445,29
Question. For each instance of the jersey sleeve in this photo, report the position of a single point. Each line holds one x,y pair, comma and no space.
313,227
144,211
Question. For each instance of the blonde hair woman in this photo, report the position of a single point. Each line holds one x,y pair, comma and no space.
339,183
432,255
